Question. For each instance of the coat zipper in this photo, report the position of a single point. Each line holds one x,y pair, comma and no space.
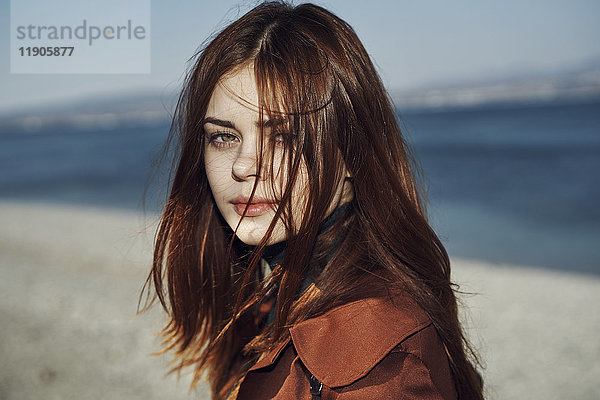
315,388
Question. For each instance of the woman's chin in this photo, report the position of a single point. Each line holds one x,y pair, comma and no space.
254,237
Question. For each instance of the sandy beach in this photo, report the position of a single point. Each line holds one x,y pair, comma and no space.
71,277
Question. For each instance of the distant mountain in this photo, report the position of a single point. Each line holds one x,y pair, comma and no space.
567,86
106,112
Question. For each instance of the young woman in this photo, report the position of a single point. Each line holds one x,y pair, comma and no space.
294,256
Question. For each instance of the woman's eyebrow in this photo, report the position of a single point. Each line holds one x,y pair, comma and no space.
270,123
219,122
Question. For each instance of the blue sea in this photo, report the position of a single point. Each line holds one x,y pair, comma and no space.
518,185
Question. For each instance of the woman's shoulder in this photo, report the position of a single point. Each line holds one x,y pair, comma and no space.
344,343
370,338
372,348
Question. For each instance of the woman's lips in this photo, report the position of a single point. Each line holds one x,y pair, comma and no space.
254,209
258,206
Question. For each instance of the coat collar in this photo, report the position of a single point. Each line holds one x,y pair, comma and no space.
344,344
270,358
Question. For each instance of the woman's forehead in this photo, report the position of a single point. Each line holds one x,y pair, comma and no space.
236,97
235,91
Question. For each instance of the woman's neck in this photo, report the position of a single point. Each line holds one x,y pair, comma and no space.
273,254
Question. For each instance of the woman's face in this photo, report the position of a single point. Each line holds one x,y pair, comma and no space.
232,132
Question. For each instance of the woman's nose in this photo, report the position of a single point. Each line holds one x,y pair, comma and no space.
245,164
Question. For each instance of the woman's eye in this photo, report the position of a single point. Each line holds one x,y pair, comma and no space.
281,138
222,139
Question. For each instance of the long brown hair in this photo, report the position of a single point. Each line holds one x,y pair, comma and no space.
312,70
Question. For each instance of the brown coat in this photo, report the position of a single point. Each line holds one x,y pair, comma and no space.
367,349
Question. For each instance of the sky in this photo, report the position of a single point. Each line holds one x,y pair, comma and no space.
414,44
